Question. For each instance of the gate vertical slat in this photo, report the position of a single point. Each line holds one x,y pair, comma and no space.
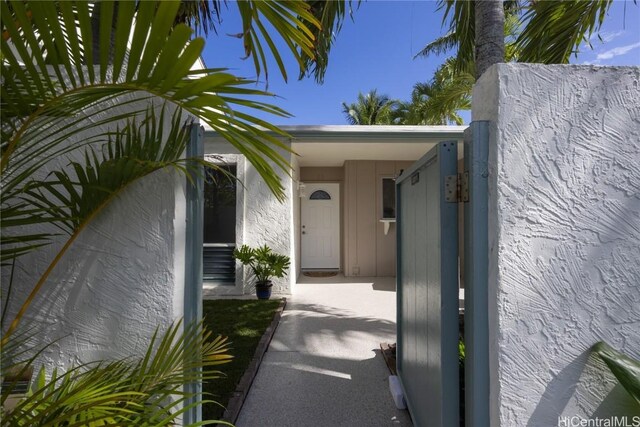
427,233
476,148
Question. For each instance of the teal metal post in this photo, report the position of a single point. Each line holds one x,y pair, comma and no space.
476,327
193,254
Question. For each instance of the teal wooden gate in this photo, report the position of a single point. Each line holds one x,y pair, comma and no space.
427,277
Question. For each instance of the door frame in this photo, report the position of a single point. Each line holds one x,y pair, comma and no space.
307,193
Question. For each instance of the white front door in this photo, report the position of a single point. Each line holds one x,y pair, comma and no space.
320,227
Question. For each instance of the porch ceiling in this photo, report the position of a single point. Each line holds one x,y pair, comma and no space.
335,153
332,145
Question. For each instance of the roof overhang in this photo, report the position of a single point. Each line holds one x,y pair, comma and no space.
331,145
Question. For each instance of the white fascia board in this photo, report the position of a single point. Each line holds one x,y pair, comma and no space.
355,133
302,134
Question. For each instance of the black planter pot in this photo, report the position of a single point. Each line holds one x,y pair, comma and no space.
263,289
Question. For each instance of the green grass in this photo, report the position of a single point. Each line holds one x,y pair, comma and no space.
244,322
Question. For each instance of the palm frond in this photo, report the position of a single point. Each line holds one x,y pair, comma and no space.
201,15
68,68
439,46
330,15
624,368
453,80
438,101
459,20
38,95
46,104
146,391
70,198
460,15
130,154
306,28
292,21
545,31
553,31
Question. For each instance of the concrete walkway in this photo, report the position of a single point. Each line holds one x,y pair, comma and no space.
324,366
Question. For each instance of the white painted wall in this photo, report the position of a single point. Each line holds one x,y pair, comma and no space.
564,233
268,220
264,219
295,230
122,277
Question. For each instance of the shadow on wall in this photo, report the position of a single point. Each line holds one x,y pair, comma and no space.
558,393
112,288
617,402
586,372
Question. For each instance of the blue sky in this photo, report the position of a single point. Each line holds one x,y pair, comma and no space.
376,50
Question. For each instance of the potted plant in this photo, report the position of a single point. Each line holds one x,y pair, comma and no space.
265,265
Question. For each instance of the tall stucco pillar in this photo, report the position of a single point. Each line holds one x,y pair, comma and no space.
564,237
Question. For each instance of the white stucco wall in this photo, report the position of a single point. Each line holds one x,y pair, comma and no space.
267,220
295,230
262,218
122,277
564,237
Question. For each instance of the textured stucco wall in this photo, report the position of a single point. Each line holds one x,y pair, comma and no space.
264,219
122,277
295,229
564,233
268,220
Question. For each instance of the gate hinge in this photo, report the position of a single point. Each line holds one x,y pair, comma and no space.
456,188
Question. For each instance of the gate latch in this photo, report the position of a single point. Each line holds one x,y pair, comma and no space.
456,188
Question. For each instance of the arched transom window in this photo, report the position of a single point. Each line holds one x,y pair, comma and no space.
320,195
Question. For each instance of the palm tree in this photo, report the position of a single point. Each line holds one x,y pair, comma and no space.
452,83
547,32
551,30
51,100
370,109
489,37
433,103
437,102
